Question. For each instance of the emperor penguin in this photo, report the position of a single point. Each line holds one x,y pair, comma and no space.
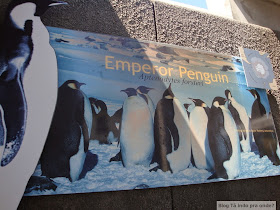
172,134
143,92
199,142
28,85
104,130
266,142
224,141
241,119
187,109
68,139
136,134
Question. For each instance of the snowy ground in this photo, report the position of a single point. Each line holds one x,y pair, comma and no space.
111,176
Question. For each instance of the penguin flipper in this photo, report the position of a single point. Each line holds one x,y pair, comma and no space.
85,134
117,157
238,122
223,132
226,140
117,116
174,133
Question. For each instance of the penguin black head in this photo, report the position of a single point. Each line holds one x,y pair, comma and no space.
92,100
143,89
168,94
40,6
198,102
254,93
20,11
186,106
73,84
219,101
130,92
228,94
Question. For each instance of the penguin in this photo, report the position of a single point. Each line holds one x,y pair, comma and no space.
104,130
199,142
224,141
28,75
15,55
136,134
68,139
172,134
187,109
266,141
241,119
143,92
116,119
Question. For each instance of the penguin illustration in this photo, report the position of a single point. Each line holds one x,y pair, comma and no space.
68,139
172,134
241,119
224,141
28,85
266,141
15,55
104,129
136,134
143,92
199,142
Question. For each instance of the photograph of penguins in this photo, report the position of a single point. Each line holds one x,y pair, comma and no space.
115,129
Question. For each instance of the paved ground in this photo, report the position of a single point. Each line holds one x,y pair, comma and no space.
160,22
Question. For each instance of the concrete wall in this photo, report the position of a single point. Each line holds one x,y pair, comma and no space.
262,12
157,21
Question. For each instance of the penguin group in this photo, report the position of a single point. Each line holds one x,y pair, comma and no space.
210,138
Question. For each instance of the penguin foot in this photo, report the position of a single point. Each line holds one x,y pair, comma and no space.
118,157
141,186
213,176
154,169
217,176
40,183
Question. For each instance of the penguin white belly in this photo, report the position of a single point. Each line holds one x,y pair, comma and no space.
87,112
232,165
40,88
137,134
277,149
151,106
200,145
77,161
180,159
245,143
111,138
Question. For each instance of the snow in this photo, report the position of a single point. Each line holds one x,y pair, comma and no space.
111,176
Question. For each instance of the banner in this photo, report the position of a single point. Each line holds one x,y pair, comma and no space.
133,114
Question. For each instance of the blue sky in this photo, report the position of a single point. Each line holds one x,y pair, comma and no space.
197,3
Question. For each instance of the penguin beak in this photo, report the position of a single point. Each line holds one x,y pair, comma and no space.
192,99
56,3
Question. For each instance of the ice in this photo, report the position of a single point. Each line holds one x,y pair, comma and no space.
111,176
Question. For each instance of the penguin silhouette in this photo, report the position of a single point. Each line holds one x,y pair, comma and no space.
28,76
